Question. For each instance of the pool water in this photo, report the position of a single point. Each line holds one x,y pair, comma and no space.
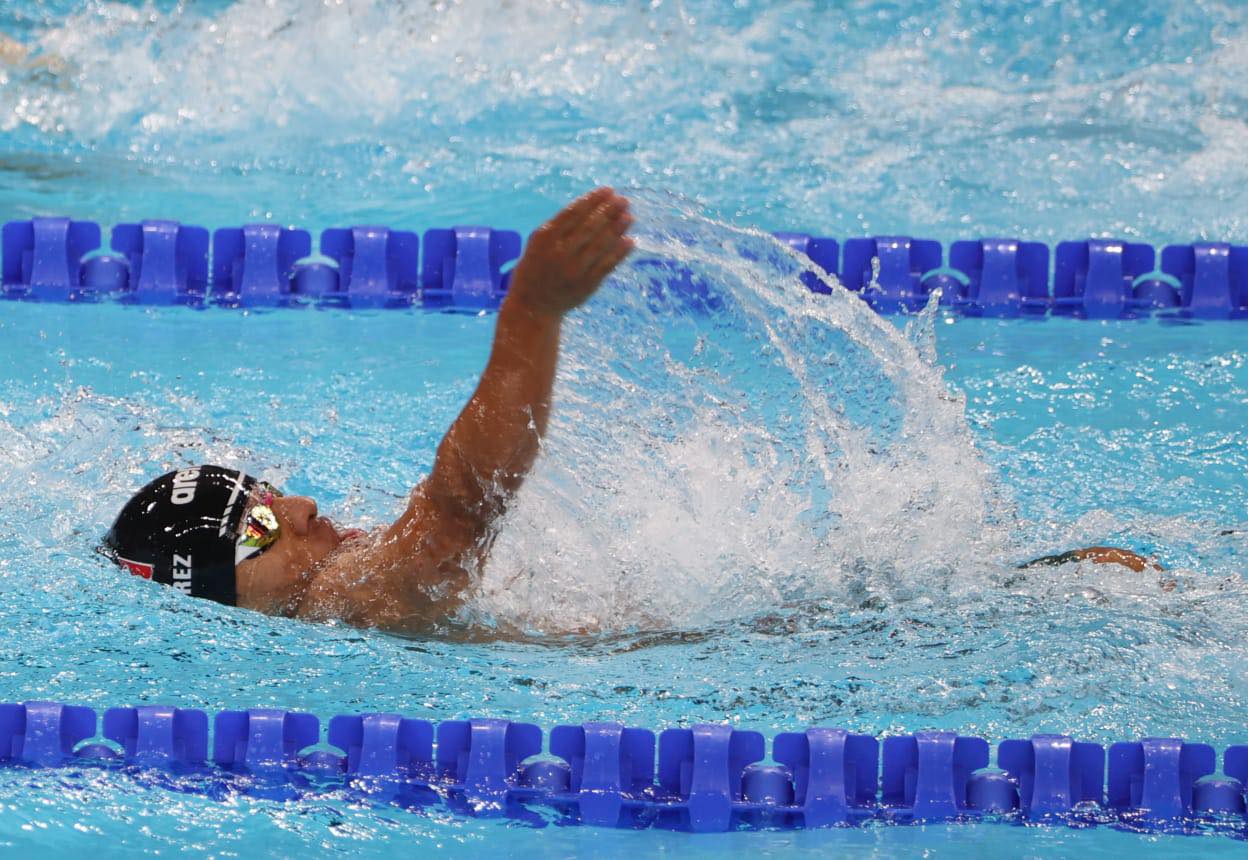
794,515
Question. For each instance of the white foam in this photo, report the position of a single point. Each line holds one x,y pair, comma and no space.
706,465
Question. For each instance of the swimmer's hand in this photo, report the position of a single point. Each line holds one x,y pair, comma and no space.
568,257
1098,555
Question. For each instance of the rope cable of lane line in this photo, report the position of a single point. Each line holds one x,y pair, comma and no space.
165,262
707,778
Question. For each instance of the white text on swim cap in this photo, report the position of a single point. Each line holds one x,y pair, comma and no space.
182,573
184,486
229,505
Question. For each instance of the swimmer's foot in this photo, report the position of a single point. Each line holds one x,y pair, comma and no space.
568,257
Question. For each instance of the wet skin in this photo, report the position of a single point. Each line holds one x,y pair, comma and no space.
410,577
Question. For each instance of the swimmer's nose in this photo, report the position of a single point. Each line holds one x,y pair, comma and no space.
298,511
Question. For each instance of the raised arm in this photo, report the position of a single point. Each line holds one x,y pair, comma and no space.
491,446
415,573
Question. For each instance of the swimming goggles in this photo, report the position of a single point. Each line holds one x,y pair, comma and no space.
259,529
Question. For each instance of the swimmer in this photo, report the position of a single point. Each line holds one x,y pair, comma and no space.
222,535
219,534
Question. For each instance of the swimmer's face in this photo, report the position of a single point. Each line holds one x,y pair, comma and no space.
273,581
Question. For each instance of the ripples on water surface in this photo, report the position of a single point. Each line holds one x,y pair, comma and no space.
936,118
779,512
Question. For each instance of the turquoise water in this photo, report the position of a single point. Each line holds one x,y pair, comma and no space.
729,574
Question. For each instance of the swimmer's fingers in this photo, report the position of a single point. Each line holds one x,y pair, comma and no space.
602,267
12,51
604,218
568,220
603,242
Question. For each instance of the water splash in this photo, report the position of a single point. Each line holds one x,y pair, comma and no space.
734,443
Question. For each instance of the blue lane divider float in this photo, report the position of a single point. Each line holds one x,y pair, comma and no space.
833,774
1005,277
256,264
1097,277
377,266
168,261
463,267
903,262
1213,276
1157,774
158,736
43,734
822,251
927,775
610,770
1053,773
41,257
708,778
164,262
384,744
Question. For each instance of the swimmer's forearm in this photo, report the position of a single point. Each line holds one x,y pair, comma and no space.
493,443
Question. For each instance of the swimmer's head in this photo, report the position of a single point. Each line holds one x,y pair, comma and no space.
222,535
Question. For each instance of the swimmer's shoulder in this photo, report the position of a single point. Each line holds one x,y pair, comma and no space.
403,578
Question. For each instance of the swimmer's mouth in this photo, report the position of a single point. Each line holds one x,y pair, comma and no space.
340,535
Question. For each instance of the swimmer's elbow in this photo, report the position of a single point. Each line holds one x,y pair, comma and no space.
463,500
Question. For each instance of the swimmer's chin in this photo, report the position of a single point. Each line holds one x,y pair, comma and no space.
348,540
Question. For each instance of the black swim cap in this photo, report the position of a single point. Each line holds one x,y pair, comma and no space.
182,530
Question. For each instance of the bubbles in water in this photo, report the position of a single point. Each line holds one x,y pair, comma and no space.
723,439
939,118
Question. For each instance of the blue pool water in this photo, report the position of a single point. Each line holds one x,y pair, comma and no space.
726,573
